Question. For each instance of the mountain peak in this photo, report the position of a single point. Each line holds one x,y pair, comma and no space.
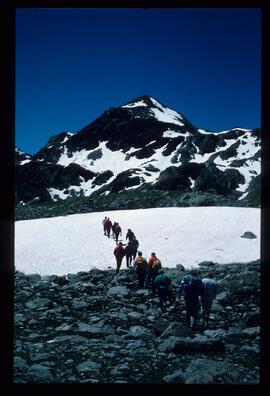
144,100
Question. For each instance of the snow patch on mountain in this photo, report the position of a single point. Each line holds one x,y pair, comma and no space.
164,114
171,133
135,104
187,236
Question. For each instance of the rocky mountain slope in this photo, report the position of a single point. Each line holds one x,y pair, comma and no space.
98,327
142,146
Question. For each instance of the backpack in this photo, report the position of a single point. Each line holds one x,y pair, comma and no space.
156,265
194,286
164,282
140,262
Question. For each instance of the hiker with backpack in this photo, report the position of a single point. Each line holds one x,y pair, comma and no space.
209,294
140,264
130,234
154,265
104,224
119,253
117,231
162,284
128,252
134,244
193,288
108,227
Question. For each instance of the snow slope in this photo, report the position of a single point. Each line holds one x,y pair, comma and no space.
187,236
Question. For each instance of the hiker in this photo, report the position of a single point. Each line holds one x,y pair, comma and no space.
130,234
104,224
154,265
209,294
119,253
162,284
134,244
108,226
193,287
128,252
140,264
113,229
117,231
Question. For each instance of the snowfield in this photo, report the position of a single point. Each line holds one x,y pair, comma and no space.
188,236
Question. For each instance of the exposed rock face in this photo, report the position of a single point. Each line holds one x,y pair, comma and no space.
248,235
98,327
143,144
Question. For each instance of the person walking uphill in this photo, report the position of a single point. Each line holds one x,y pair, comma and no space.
117,231
108,227
104,224
141,269
209,294
130,234
119,253
193,288
154,265
134,244
162,284
128,252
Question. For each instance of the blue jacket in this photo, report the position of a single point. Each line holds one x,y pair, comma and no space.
162,281
192,285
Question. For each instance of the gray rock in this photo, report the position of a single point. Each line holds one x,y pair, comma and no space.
40,373
217,333
204,371
76,339
142,292
79,304
141,332
20,363
180,267
135,316
64,327
160,326
222,297
253,319
176,329
217,307
38,357
119,317
95,329
249,235
89,366
39,303
19,318
186,345
120,291
206,264
178,377
34,277
251,331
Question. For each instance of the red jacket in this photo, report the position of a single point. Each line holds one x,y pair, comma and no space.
108,224
119,251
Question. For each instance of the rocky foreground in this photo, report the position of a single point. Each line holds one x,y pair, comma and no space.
98,327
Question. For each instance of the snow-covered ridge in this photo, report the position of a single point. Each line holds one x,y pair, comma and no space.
135,104
76,243
158,111
204,131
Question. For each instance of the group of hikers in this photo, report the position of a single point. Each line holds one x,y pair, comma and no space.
197,292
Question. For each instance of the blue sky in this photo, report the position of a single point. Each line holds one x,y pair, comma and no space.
73,64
